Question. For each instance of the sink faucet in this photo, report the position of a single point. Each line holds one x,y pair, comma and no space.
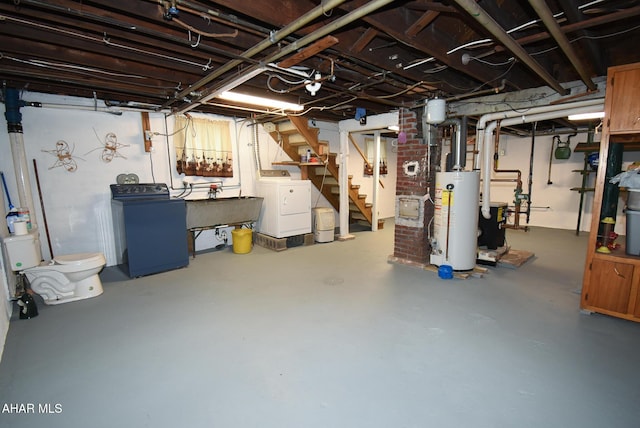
213,190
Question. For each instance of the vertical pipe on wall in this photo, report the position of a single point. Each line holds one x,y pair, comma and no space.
611,191
376,179
488,131
343,179
16,140
530,180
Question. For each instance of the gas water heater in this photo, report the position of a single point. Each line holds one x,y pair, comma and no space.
455,222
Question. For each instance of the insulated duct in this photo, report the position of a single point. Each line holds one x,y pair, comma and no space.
480,126
488,132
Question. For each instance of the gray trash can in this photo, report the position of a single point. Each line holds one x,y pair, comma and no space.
633,233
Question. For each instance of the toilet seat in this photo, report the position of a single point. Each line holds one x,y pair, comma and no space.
78,259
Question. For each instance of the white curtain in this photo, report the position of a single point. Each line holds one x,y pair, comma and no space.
203,147
370,145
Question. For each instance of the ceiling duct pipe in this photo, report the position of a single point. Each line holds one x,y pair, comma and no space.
550,22
503,37
488,132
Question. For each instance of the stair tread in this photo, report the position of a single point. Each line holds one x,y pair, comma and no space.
323,175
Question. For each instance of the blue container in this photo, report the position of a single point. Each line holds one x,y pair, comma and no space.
445,272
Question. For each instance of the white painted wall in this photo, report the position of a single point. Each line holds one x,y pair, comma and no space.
555,205
387,194
6,310
271,152
7,282
78,204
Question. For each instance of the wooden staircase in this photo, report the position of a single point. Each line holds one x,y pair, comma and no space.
296,137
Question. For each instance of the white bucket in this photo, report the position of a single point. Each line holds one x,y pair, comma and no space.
20,228
633,199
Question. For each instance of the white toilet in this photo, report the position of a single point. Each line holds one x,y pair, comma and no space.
64,279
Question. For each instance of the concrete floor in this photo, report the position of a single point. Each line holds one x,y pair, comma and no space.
329,335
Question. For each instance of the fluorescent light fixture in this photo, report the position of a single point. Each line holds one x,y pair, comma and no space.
393,128
586,116
259,101
233,83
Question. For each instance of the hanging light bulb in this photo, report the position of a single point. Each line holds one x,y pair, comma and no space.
314,86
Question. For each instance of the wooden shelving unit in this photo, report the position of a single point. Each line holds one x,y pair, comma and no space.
611,282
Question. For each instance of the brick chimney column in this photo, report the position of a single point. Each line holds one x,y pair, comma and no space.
411,244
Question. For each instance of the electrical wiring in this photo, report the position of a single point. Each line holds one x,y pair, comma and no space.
281,91
59,65
324,176
104,40
153,176
437,69
107,42
194,29
477,88
487,42
618,33
204,33
290,82
216,16
404,91
322,108
492,64
176,131
83,71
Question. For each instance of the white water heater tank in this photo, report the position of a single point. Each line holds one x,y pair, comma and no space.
436,111
455,229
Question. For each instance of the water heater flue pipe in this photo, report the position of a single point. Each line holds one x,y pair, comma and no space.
459,145
488,133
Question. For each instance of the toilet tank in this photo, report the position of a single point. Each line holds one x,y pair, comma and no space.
23,251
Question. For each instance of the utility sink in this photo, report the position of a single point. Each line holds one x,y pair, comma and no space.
207,213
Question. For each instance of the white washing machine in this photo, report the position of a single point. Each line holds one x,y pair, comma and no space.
286,208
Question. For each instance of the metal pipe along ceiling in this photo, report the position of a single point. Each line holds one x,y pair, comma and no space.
274,38
503,37
550,22
309,38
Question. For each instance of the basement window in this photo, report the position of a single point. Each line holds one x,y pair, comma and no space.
203,147
370,145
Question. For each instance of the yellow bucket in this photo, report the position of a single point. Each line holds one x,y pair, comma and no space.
242,240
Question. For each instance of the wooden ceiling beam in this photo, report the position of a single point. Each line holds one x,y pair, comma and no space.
311,50
424,21
364,40
391,21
